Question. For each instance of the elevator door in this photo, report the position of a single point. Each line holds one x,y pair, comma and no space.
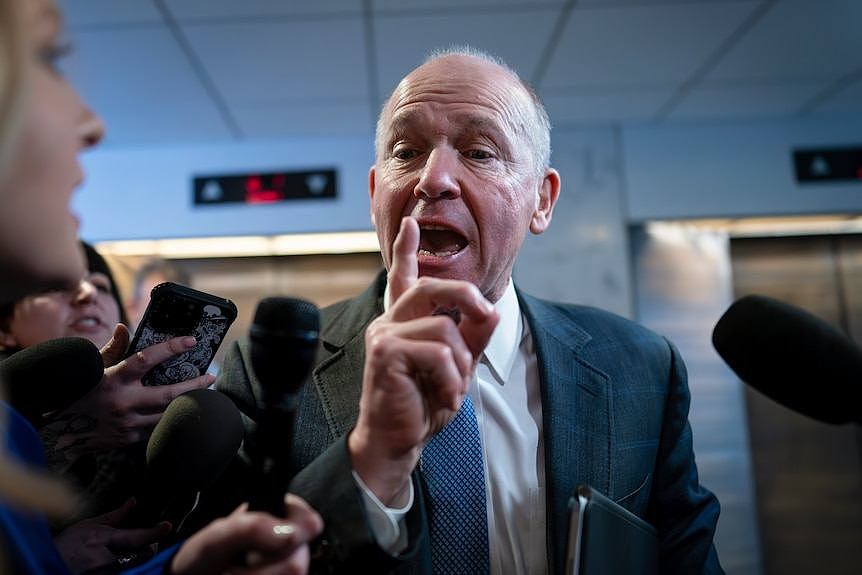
808,477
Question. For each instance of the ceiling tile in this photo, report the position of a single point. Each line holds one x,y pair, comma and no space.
640,45
84,13
847,101
403,42
306,118
221,9
620,106
797,40
269,62
605,3
141,84
459,5
744,101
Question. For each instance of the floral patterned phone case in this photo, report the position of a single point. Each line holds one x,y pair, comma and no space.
175,310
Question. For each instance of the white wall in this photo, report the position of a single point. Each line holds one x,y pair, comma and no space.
733,169
146,193
583,257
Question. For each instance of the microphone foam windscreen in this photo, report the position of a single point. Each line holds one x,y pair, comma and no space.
287,316
195,440
51,375
793,357
283,344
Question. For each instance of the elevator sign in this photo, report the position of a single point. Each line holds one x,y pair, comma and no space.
265,187
828,165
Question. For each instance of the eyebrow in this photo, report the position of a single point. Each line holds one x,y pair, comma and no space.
402,122
52,15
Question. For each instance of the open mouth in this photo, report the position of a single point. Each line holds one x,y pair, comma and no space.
440,242
86,323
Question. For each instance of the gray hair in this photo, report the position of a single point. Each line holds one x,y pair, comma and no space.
538,129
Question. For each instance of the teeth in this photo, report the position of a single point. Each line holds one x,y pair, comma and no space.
87,322
436,254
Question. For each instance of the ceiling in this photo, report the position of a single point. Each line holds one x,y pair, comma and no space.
163,72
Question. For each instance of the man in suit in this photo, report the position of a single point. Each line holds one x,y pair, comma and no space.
549,395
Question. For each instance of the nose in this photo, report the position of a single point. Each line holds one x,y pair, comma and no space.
439,178
91,129
85,293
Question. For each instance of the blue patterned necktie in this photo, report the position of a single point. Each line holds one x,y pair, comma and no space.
454,472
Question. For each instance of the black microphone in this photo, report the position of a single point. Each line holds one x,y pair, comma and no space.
283,344
51,375
792,357
197,437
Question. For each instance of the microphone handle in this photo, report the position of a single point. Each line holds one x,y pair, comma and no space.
270,455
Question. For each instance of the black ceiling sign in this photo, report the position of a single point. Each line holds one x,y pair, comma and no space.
828,164
265,187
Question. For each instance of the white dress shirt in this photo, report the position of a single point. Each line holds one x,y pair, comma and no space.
505,394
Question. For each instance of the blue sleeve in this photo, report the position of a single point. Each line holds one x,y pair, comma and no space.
26,535
158,564
685,513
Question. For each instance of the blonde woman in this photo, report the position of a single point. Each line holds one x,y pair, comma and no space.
43,127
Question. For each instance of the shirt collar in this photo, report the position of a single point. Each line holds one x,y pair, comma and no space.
502,349
500,353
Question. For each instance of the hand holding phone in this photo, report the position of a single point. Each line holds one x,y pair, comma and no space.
174,311
120,410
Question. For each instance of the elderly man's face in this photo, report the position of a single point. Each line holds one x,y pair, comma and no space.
455,154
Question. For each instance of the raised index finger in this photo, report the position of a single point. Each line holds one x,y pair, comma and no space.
405,266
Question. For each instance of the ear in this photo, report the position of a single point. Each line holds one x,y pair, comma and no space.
371,187
549,191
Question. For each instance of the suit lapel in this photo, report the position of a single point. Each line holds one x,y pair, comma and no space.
338,375
575,415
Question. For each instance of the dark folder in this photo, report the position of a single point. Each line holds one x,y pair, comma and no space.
606,538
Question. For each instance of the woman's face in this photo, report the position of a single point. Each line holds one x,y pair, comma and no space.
90,311
38,233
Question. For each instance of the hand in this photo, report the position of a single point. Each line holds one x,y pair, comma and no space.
120,410
418,366
99,543
252,542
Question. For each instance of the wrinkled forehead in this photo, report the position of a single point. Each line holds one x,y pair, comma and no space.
461,80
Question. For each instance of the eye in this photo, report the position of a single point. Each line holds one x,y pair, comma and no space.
479,154
102,284
51,55
404,154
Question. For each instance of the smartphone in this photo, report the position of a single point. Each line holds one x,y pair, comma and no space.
176,310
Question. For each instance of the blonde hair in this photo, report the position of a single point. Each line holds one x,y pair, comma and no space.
12,86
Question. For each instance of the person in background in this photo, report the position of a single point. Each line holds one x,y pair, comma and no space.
43,127
92,310
109,475
106,474
151,273
450,415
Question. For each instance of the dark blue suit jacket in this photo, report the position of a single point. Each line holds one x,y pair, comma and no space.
615,408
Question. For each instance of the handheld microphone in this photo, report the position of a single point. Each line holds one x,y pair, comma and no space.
792,357
197,437
51,375
283,344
